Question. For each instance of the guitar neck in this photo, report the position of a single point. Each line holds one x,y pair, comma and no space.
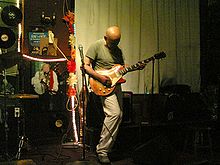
135,66
128,69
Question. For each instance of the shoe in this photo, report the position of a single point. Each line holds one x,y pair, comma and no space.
104,159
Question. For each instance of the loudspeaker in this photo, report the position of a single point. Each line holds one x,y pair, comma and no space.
155,111
163,108
46,127
150,109
156,151
127,108
9,37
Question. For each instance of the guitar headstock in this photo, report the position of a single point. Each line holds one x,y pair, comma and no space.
160,55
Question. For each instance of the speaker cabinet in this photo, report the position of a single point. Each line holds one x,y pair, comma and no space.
127,108
161,108
43,126
150,109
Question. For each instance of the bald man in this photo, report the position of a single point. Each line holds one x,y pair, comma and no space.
103,55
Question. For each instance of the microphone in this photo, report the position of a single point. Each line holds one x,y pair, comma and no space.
80,47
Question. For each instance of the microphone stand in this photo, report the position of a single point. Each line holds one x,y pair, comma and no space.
84,92
152,88
83,161
152,93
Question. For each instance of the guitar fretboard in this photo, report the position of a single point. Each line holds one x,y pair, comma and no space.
137,65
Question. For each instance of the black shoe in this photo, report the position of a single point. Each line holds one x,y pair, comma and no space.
104,159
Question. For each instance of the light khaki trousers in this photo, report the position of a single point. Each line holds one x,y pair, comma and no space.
112,106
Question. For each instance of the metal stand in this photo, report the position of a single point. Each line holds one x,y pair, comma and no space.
83,104
23,142
6,154
83,161
152,88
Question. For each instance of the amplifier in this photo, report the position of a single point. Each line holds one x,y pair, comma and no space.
163,109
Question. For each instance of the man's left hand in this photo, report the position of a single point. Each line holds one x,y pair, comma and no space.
141,65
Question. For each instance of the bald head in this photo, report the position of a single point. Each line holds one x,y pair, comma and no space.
113,33
112,37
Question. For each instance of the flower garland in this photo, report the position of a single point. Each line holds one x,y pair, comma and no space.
71,64
71,67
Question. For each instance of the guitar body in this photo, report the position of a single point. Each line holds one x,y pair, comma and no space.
101,90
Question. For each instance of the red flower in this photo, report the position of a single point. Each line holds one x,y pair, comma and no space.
69,18
71,66
71,91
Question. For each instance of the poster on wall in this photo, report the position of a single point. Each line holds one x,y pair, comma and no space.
34,42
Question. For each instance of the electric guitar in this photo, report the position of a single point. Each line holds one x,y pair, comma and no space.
115,74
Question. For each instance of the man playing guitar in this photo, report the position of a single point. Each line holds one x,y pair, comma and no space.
104,54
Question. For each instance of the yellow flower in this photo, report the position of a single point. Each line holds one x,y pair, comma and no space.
72,79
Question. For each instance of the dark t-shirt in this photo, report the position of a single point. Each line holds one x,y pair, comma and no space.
102,57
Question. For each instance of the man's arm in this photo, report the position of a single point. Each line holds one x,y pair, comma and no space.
90,71
36,79
55,86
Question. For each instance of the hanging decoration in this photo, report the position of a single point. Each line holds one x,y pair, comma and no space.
71,67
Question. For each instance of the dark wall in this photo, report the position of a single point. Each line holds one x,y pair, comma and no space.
210,41
32,21
32,17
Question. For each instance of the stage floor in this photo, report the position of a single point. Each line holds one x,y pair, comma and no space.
56,154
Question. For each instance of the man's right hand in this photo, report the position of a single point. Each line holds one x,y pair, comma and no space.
105,80
42,81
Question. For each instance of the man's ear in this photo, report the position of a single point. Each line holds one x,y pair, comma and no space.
105,38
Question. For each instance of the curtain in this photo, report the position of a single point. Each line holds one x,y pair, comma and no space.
148,27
